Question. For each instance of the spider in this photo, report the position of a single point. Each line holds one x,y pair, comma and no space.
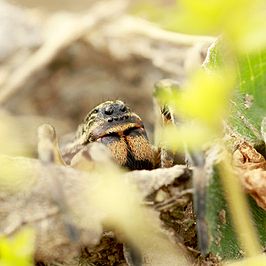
113,124
122,131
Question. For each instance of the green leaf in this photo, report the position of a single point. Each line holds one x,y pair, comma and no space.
248,108
223,240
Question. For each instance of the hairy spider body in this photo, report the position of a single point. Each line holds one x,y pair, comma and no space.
122,131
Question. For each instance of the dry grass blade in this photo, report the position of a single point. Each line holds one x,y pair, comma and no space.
150,181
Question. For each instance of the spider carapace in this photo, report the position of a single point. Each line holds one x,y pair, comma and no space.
122,131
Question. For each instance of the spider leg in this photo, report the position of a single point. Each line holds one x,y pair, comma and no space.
82,161
48,149
50,155
164,116
194,159
90,155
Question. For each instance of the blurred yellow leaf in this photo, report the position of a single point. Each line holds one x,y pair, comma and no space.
205,97
242,22
17,250
253,261
201,104
192,134
17,172
10,140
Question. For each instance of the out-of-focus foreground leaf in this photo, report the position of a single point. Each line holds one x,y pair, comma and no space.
19,250
246,113
258,261
212,18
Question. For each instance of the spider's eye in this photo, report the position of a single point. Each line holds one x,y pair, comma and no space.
108,110
95,111
123,108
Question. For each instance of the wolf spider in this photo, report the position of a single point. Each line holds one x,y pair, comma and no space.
122,131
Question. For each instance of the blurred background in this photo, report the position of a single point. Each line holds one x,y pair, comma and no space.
58,59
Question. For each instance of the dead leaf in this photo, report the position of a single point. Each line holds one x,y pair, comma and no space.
251,168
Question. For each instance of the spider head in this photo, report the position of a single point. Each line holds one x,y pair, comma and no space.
108,118
121,130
